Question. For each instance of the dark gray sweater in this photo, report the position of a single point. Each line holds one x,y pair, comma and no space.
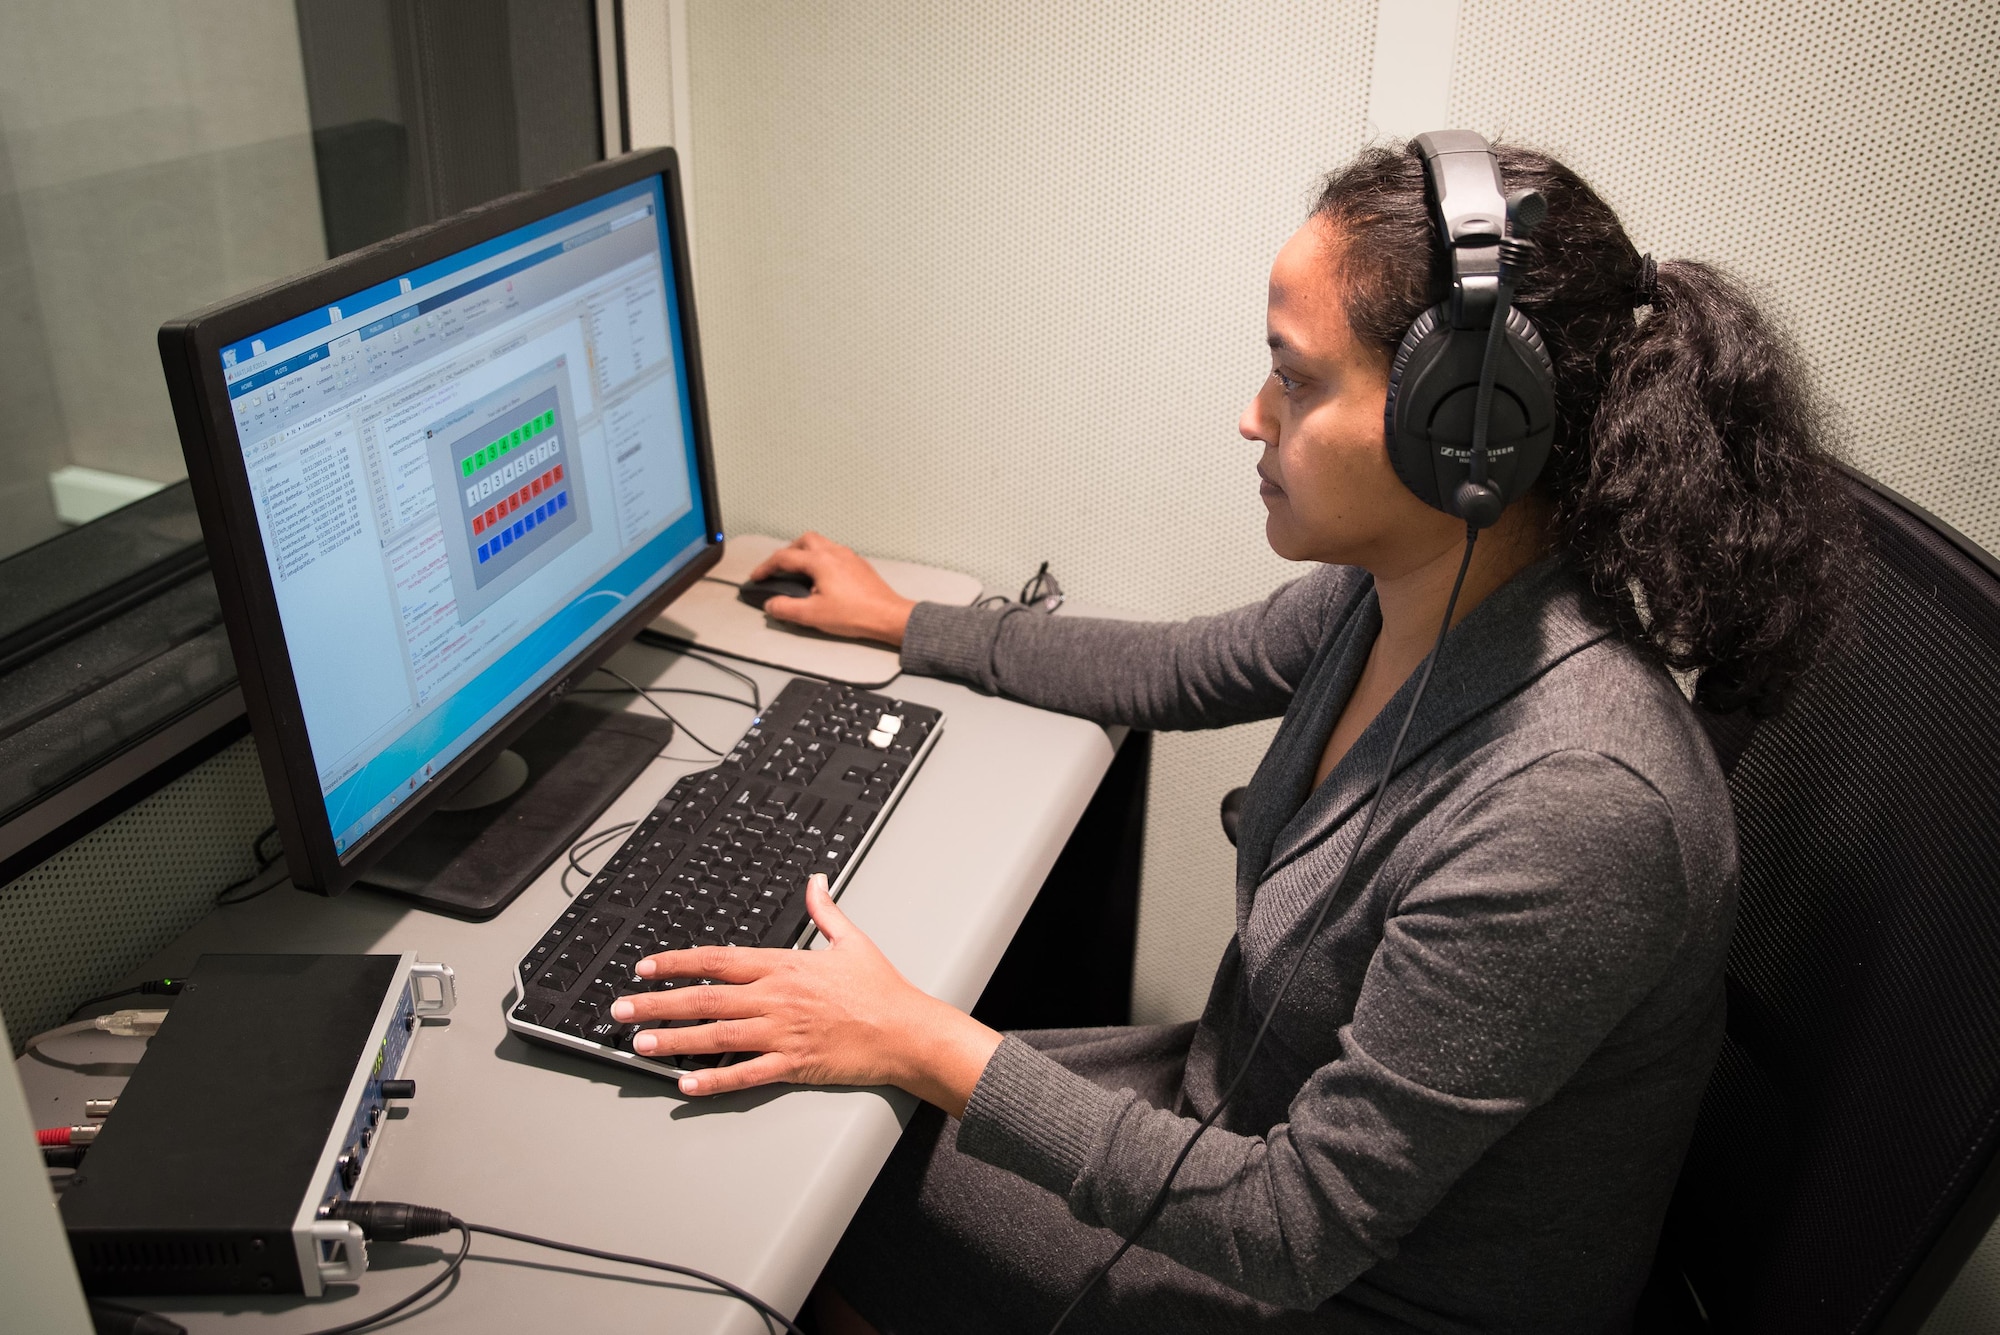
1474,1099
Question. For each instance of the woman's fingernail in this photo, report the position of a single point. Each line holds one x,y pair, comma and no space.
644,968
621,1009
644,1043
690,1085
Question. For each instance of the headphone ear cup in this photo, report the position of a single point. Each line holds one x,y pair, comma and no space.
1402,431
1428,417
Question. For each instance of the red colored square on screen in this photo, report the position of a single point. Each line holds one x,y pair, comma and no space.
492,514
479,523
535,487
558,472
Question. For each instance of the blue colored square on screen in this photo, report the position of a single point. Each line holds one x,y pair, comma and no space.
562,500
482,553
506,537
518,529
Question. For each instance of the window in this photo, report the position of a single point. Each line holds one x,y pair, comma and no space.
156,156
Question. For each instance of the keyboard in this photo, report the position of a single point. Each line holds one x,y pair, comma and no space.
723,860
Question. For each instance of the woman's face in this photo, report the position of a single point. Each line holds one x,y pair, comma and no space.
1330,493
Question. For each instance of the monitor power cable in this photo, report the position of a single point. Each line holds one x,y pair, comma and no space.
271,869
584,847
1326,903
394,1221
646,693
674,645
654,639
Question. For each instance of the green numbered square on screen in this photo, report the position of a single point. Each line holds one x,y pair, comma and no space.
513,438
549,417
465,468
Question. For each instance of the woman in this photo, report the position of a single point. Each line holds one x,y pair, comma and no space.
1473,1100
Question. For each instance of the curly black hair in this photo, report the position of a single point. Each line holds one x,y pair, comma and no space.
1692,486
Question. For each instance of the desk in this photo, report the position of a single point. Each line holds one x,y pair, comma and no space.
756,1187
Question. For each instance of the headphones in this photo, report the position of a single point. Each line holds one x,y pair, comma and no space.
1471,409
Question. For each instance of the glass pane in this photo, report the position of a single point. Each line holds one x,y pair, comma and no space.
155,155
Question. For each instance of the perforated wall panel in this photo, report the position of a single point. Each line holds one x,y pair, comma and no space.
1840,157
984,284
73,926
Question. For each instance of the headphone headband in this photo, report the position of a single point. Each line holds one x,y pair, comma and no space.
1469,210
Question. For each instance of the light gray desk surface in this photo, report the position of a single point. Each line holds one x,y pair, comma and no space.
756,1187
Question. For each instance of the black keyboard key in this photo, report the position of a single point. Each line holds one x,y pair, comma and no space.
755,917
578,1021
534,1012
596,931
540,955
556,980
609,1032
788,922
575,958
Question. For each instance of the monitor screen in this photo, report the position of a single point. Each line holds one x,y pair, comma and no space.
463,477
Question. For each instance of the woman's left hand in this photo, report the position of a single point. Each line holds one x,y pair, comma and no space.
839,1016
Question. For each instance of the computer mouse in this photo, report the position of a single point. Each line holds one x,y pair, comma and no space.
784,584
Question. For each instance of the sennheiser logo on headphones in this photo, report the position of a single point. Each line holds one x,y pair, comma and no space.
1462,455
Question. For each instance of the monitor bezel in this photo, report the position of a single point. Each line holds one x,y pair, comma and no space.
191,355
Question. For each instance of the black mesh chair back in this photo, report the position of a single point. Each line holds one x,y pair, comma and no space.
1839,1173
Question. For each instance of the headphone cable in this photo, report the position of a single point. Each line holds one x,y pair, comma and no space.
1159,1200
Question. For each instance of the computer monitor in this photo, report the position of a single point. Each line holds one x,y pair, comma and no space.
441,479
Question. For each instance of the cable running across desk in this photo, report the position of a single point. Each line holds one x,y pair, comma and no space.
393,1221
646,694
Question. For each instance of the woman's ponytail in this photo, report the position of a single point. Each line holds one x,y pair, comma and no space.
1691,484
1706,510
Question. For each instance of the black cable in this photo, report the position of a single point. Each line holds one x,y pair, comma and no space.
1326,904
394,1221
645,695
464,1249
672,645
257,846
663,690
595,840
657,640
109,1318
742,1294
264,864
152,987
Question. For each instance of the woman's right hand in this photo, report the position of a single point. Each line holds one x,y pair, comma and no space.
848,597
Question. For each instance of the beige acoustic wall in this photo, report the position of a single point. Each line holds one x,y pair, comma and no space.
983,285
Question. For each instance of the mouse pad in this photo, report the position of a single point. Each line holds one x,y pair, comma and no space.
709,615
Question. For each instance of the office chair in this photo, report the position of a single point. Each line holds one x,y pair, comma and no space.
1842,1168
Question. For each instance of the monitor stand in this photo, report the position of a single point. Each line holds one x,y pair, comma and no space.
471,856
